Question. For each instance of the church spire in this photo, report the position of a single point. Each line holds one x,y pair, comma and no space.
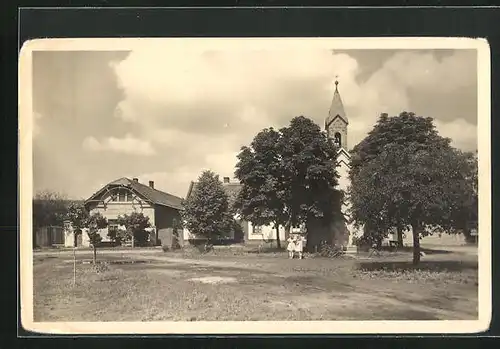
336,122
337,107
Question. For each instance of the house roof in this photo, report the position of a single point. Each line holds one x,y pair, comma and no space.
155,196
336,108
231,189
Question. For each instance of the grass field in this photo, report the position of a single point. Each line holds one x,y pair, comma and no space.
248,286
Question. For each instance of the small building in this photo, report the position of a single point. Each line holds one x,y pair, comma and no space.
124,196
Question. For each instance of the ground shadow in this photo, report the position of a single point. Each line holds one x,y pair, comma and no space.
410,249
422,266
434,251
266,250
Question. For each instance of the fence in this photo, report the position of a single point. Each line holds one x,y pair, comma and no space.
48,236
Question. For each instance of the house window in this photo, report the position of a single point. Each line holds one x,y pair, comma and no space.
257,229
129,196
122,196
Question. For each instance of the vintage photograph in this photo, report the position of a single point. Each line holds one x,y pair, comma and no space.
255,182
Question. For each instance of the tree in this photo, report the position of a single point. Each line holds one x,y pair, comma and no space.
405,175
94,223
206,210
49,208
78,216
289,176
259,170
135,228
466,214
308,162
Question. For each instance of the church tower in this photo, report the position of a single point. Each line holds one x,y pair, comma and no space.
336,123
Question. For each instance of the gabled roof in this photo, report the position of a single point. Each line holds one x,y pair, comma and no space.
231,189
154,196
336,108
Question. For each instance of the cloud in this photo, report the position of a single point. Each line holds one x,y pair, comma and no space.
183,110
248,90
175,181
127,145
463,134
199,108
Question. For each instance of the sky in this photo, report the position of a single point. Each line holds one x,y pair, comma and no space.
163,115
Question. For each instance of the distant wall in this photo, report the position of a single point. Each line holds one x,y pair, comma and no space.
264,233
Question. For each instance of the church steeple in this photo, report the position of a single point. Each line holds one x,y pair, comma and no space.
336,122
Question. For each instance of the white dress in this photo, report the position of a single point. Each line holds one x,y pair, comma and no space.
299,245
291,245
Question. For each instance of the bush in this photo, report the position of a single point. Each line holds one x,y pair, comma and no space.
330,251
165,248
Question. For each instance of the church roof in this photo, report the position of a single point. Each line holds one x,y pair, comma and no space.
336,108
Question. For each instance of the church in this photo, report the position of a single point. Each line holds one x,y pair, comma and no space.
339,232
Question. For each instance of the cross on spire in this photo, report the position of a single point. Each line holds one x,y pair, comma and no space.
336,82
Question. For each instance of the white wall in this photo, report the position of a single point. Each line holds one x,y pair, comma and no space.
69,237
268,232
112,210
344,183
343,171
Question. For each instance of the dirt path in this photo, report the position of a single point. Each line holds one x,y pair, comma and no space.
137,254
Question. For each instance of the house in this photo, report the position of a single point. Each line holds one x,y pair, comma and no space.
124,196
249,232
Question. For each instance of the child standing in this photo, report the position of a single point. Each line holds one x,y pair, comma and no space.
291,246
299,246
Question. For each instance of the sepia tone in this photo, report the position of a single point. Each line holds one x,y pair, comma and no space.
135,137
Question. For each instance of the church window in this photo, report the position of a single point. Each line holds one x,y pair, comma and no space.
338,138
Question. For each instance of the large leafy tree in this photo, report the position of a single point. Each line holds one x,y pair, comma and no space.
466,213
259,170
308,162
405,175
136,225
288,176
206,211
